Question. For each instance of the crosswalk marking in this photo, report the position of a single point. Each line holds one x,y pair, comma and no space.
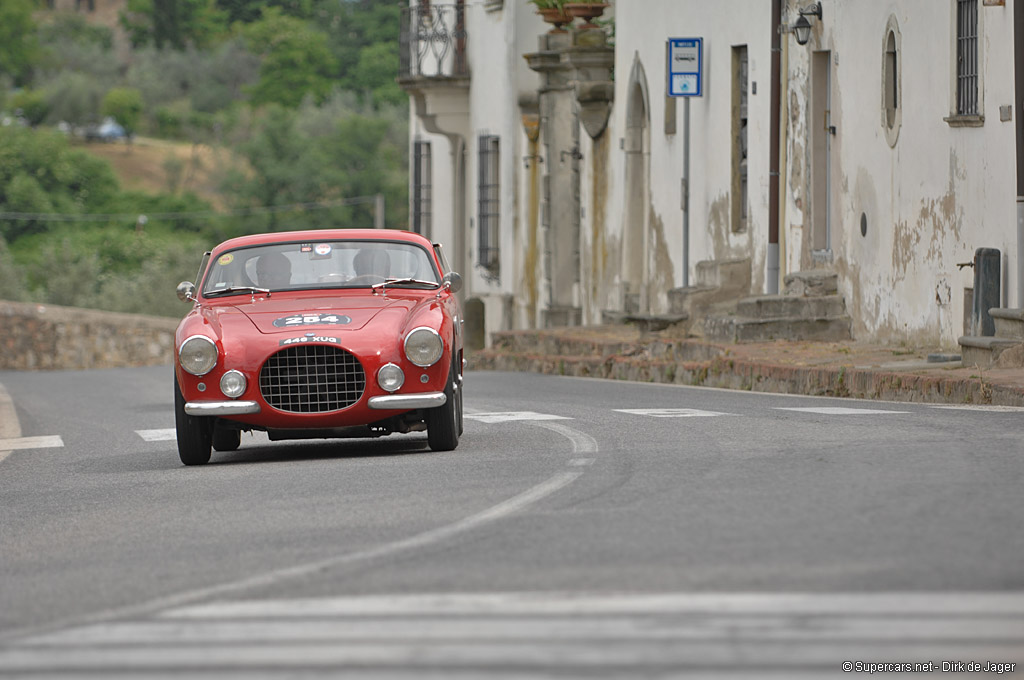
671,412
509,416
45,442
164,435
838,410
536,634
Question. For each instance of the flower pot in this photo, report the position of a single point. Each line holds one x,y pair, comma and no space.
586,11
555,16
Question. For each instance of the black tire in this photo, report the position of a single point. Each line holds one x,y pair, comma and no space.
226,438
195,433
442,422
458,399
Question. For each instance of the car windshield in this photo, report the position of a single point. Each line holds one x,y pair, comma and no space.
320,264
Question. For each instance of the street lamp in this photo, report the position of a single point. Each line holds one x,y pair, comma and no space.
802,27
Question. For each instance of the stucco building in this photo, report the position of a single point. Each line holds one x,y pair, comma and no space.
570,188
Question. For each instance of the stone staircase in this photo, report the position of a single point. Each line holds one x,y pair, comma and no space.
611,351
1005,349
810,309
717,282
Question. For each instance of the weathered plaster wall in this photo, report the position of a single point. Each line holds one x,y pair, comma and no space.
642,35
930,200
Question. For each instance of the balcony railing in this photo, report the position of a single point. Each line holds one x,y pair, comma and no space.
433,41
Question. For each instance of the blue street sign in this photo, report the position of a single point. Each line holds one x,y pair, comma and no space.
685,64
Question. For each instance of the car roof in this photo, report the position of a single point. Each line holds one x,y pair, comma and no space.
315,235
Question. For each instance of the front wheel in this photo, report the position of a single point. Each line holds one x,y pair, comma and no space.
195,433
443,421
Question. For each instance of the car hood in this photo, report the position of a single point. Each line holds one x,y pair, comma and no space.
334,313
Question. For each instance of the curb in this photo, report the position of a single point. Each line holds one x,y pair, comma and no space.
9,426
751,375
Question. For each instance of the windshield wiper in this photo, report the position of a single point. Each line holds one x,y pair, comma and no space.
231,290
398,282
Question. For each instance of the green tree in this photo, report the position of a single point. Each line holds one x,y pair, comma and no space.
296,59
353,27
173,23
19,47
32,104
12,279
248,11
39,172
124,104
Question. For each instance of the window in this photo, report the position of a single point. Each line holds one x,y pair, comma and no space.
422,189
967,57
892,105
740,202
488,199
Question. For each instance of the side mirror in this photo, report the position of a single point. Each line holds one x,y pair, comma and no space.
454,281
186,291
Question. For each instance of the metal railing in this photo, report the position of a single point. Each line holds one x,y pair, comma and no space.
432,42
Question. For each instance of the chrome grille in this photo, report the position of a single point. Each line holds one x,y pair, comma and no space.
312,379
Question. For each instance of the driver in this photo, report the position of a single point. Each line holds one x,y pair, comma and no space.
372,262
274,270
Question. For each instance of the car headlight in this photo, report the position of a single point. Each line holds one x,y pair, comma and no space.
232,384
423,346
390,377
198,355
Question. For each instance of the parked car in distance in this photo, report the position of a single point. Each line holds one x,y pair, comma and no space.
107,131
319,334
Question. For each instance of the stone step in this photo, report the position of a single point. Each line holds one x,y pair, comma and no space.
813,283
1009,322
732,274
984,350
745,329
788,306
644,322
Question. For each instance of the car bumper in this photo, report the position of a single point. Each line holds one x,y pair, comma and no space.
221,408
392,402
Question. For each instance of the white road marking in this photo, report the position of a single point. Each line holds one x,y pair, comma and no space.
509,416
44,442
994,408
540,633
671,412
581,442
839,411
164,435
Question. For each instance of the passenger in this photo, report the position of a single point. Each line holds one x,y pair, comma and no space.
372,262
274,271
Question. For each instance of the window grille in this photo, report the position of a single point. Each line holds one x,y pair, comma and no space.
967,57
422,189
488,200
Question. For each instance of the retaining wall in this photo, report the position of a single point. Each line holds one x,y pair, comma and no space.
35,336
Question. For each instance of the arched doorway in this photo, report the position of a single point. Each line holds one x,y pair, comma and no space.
637,145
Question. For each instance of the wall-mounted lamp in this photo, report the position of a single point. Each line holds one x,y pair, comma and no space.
802,27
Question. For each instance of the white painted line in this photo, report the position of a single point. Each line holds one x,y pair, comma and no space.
581,462
165,435
45,442
892,603
671,412
509,416
980,407
579,633
581,441
839,411
501,510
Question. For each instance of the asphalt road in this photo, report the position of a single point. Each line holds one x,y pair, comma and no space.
583,528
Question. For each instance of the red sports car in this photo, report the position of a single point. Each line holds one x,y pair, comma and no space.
319,334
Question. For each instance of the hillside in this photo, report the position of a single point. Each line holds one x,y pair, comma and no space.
155,166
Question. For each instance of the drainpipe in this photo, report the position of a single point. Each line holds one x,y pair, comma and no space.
772,282
1018,81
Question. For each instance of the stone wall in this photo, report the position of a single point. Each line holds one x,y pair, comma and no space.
35,336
